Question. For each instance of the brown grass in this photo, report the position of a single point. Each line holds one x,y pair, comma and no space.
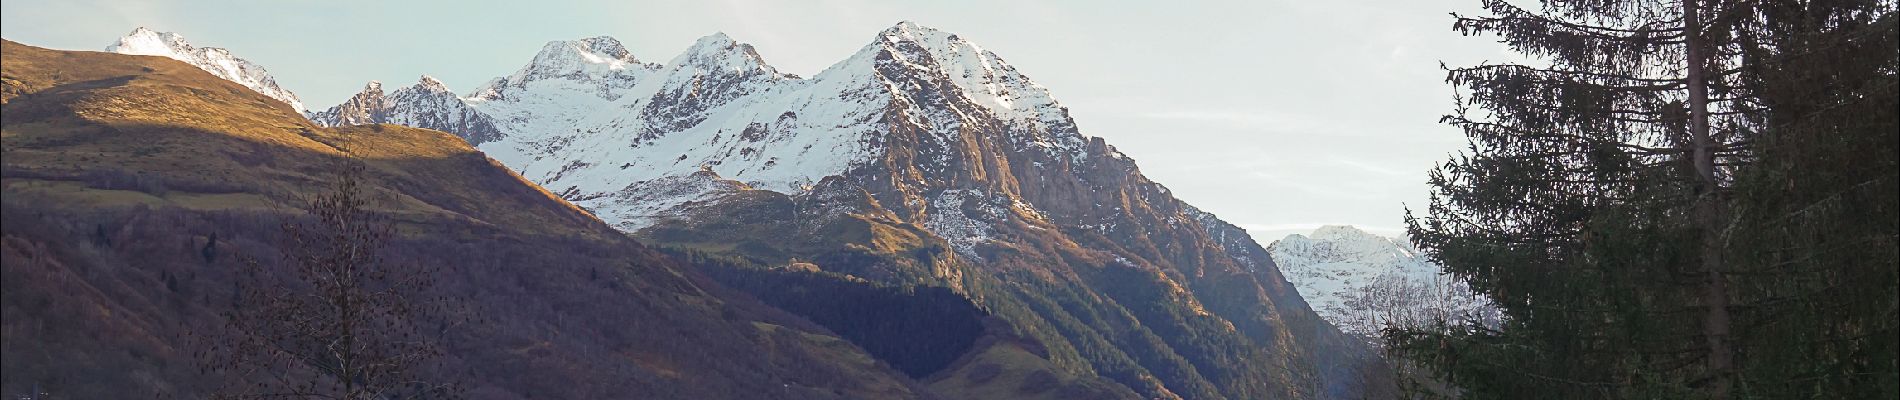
104,278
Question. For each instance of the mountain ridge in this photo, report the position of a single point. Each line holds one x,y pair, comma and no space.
1363,282
138,189
920,159
216,60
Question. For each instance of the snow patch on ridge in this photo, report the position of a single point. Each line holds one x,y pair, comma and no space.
644,204
950,218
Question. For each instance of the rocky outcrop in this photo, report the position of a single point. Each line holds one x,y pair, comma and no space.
427,104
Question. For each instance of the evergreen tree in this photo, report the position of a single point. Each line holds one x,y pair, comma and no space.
1815,245
1590,204
1682,199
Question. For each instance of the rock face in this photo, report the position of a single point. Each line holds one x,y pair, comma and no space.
921,159
427,104
1362,282
217,61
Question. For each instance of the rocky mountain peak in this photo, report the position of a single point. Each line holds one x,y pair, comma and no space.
597,64
717,39
912,29
427,104
145,39
430,84
718,53
365,107
984,78
590,55
218,61
606,46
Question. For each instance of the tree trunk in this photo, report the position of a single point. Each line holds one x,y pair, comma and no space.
1708,209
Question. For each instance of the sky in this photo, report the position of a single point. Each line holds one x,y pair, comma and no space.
1276,115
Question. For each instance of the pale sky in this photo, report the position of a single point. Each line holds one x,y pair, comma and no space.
1277,115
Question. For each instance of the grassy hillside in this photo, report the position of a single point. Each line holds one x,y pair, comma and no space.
133,185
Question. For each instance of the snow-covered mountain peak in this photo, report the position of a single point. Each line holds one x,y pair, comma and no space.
909,29
983,77
218,61
587,120
429,83
1345,243
913,45
144,41
595,50
715,40
598,64
1362,281
1342,232
373,86
719,53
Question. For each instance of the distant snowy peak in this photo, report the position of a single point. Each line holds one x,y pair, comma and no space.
599,63
1345,243
427,104
217,61
432,85
712,73
1361,282
718,53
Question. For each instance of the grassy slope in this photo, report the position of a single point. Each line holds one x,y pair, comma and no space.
119,170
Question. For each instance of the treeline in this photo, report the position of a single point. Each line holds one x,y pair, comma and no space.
917,329
1688,199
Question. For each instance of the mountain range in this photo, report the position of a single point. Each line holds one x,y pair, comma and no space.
920,164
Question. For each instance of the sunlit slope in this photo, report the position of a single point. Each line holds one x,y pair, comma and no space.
134,185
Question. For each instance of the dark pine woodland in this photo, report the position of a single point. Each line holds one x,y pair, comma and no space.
1675,199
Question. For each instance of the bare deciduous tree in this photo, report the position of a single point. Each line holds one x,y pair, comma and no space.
334,320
